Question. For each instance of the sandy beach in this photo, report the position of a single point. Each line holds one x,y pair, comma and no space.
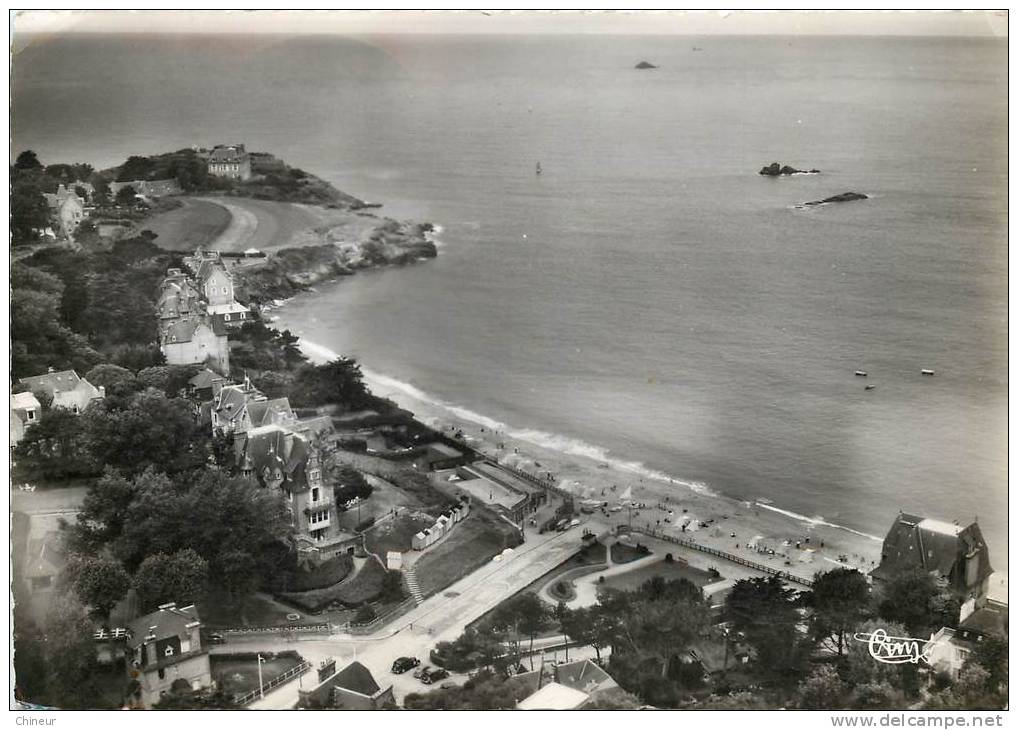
749,529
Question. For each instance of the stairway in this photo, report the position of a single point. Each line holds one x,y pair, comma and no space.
410,578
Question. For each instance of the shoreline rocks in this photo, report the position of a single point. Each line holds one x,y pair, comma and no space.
775,169
643,65
840,198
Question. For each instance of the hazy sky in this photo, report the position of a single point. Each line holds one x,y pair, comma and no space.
642,22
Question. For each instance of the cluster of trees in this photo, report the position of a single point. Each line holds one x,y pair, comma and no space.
137,426
75,310
29,214
800,644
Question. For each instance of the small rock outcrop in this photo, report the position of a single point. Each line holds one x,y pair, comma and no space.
840,198
644,65
776,170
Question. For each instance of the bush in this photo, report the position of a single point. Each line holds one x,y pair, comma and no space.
372,582
313,577
365,615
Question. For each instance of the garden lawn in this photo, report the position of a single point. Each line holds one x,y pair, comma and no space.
397,534
472,543
366,585
237,674
255,610
669,571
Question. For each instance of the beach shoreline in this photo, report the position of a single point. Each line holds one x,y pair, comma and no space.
751,529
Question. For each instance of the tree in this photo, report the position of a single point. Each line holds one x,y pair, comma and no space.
50,449
969,692
230,522
103,512
840,601
29,212
98,580
859,669
171,379
876,696
991,655
920,602
27,160
180,577
70,657
822,689
116,380
152,430
127,195
763,610
339,382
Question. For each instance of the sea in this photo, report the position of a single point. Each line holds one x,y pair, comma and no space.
648,297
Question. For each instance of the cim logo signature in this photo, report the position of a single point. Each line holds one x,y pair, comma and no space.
897,649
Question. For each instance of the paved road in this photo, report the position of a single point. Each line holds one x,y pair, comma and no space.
440,618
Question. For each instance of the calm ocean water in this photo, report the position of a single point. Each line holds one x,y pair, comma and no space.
649,294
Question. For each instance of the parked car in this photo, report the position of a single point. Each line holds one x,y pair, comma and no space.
434,676
421,671
404,664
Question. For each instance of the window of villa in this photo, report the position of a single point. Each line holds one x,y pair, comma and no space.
314,494
226,317
31,415
168,651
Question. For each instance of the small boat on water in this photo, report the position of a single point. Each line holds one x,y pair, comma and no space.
538,168
926,371
861,373
870,387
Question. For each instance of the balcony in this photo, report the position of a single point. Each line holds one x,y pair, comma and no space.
323,503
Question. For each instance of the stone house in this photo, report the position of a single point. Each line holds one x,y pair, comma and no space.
67,211
280,458
165,654
217,288
959,555
230,161
64,389
195,340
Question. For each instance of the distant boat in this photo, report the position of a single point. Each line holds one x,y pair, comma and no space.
861,373
870,387
926,371
538,168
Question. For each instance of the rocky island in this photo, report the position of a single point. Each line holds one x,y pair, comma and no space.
776,170
644,65
840,198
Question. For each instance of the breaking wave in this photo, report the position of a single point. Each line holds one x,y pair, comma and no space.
817,520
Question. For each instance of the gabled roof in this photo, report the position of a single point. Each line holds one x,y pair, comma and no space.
267,412
585,676
313,428
990,619
184,330
356,678
554,696
162,624
50,383
208,266
204,379
24,401
932,545
229,403
274,453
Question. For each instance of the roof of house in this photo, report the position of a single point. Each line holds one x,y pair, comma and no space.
356,677
554,696
990,619
204,379
161,624
585,676
312,428
267,412
228,153
208,266
916,542
24,401
230,401
274,453
185,329
228,308
50,383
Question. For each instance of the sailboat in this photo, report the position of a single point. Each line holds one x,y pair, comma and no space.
538,168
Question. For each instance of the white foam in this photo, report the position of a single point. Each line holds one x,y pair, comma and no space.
386,386
815,521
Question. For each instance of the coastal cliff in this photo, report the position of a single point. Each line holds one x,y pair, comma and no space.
289,271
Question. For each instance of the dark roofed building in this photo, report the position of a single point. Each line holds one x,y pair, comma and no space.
957,554
164,651
270,412
353,688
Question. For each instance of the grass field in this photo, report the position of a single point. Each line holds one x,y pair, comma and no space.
473,542
238,674
396,534
669,571
195,223
256,610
